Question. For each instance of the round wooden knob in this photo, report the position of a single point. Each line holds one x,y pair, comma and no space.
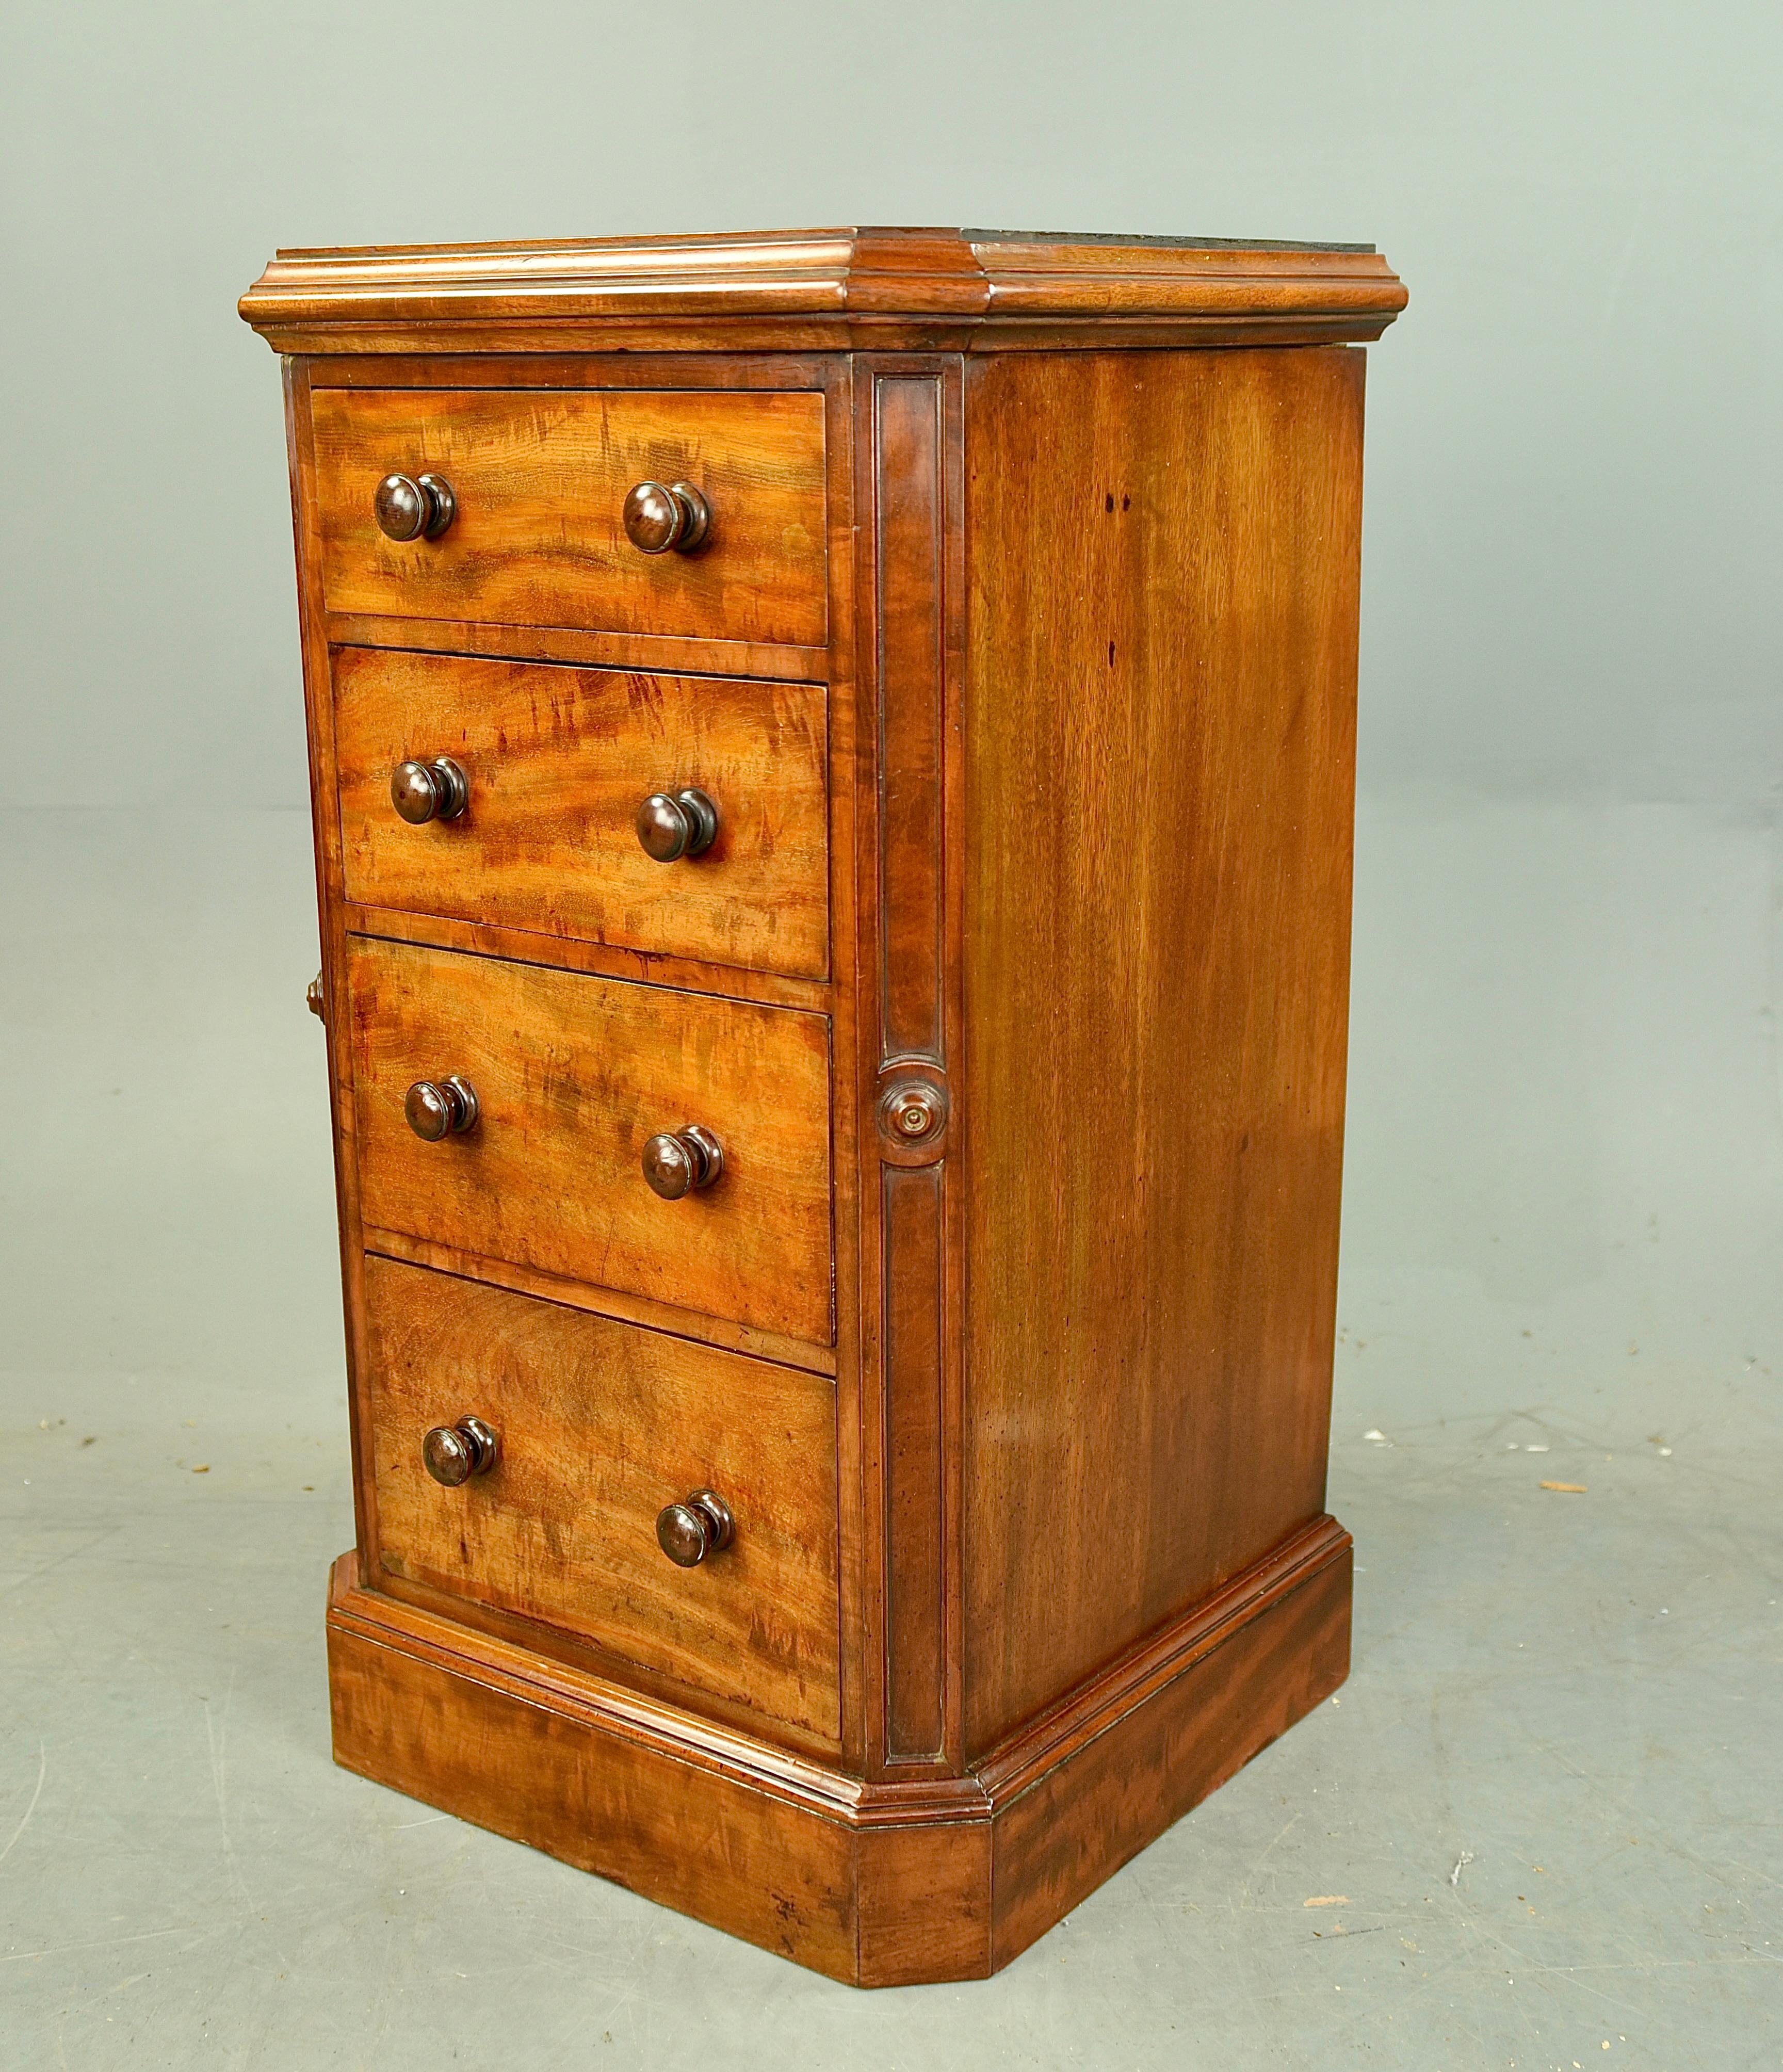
912,1113
414,506
678,824
315,996
438,1108
698,1526
436,791
676,1164
659,515
453,1453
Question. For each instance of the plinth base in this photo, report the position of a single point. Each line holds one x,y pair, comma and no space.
875,1885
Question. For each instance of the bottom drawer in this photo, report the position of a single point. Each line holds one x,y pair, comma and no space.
599,1426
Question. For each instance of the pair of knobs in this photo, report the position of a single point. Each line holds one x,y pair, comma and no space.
676,1163
657,516
688,1531
670,824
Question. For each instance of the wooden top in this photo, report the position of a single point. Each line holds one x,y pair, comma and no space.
959,289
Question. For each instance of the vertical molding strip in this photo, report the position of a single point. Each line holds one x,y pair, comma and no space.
907,453
917,1025
915,1612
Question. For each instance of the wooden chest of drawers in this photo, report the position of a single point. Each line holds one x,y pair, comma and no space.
833,759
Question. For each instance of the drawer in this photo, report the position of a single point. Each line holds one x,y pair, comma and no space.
573,1077
599,1426
559,760
539,480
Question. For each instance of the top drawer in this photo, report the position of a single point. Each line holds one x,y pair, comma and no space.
539,480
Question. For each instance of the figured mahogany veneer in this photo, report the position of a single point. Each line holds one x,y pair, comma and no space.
573,1076
540,480
559,762
601,1426
869,1279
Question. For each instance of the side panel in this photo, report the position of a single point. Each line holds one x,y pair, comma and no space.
1160,746
325,818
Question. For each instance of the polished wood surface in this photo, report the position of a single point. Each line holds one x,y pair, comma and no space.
559,762
881,289
911,495
602,1425
573,1076
604,959
877,1884
921,1199
542,478
1099,1800
1163,615
684,1323
514,1743
579,646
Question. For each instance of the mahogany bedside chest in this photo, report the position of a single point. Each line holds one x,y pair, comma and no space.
832,758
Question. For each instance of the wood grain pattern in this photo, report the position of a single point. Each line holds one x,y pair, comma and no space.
1098,1806
574,1074
847,289
1130,1682
914,1454
1163,626
1028,635
626,1308
846,727
923,1905
876,1884
910,523
325,825
467,1725
540,477
601,1424
580,647
447,931
559,760
909,434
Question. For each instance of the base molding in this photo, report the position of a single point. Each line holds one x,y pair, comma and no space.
871,1884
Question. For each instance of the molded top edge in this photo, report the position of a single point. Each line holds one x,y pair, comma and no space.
331,299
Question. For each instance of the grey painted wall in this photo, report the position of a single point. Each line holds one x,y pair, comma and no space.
1572,542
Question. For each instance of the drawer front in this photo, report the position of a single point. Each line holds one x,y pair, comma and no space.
540,478
559,760
573,1077
598,1427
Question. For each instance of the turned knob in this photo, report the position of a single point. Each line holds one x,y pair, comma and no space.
316,998
453,1453
659,515
436,791
677,825
698,1526
440,1108
912,1113
414,506
676,1164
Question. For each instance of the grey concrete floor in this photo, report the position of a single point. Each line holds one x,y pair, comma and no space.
1543,1814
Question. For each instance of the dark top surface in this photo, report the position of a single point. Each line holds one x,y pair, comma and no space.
1177,244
